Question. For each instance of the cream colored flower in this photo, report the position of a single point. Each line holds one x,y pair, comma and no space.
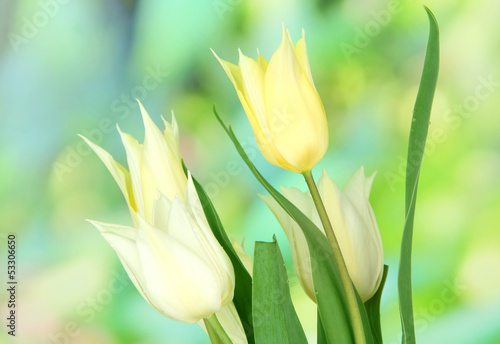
353,222
171,254
282,105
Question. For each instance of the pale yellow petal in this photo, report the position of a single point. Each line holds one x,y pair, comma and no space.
301,53
160,168
119,173
180,284
299,128
233,72
123,240
298,244
134,156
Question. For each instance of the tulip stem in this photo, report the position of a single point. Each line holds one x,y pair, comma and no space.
357,324
215,331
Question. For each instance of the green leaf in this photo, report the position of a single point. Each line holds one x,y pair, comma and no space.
330,294
321,332
373,309
275,320
212,334
418,136
243,289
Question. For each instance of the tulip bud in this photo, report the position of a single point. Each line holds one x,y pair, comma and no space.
282,105
353,222
171,254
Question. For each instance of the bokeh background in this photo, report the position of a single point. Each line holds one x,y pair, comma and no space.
74,66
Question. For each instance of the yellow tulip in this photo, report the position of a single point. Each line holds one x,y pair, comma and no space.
282,105
171,254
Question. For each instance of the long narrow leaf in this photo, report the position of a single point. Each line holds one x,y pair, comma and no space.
243,289
416,146
330,294
321,332
373,309
275,319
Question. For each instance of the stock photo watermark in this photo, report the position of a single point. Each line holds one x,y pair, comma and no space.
425,315
122,105
87,310
223,7
31,26
365,34
454,117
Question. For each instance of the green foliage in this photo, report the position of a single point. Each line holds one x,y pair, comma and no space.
275,319
373,309
416,146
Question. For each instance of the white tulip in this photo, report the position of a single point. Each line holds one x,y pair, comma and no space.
353,222
171,254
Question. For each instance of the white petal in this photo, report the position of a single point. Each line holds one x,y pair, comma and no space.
304,202
161,169
199,238
123,240
298,245
359,241
134,158
171,135
180,285
231,323
161,212
119,173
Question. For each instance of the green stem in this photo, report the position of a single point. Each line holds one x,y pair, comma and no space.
215,331
352,303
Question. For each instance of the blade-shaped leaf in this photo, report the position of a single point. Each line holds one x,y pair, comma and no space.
373,309
275,320
418,136
330,294
321,332
243,289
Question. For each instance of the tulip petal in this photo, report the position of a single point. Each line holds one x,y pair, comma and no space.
262,61
240,251
298,244
171,135
134,156
252,76
119,173
160,168
301,53
359,240
198,236
293,106
123,240
304,202
161,212
182,286
233,72
230,321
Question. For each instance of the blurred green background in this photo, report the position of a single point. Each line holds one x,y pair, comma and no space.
74,66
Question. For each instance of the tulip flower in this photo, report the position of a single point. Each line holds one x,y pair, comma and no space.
170,254
282,105
354,225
